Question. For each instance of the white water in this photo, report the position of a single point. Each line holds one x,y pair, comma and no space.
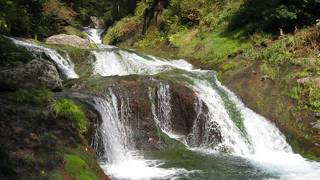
120,160
64,64
119,62
267,147
271,150
94,35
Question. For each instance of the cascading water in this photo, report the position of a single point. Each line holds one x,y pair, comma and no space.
161,111
64,64
119,62
94,35
244,134
119,157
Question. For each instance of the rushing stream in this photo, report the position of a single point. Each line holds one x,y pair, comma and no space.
251,146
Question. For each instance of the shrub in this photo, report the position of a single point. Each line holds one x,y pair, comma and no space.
66,109
122,30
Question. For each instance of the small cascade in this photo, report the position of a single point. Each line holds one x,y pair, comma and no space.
64,64
94,35
113,62
161,109
114,133
218,118
115,145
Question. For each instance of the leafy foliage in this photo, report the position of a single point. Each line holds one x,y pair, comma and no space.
124,28
261,15
66,109
109,10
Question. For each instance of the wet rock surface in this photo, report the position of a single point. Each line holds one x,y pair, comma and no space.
34,74
135,90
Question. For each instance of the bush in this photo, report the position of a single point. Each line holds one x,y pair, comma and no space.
122,30
66,109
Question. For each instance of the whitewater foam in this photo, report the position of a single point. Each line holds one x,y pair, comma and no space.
64,64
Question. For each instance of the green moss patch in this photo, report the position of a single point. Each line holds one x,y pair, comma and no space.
66,109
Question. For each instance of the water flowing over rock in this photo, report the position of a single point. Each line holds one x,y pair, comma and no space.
188,105
71,40
95,35
36,73
64,64
128,125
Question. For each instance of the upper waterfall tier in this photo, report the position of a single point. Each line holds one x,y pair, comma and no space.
64,64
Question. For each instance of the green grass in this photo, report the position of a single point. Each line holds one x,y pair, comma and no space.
270,71
78,164
66,109
78,168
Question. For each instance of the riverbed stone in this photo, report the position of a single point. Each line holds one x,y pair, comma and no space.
36,73
71,40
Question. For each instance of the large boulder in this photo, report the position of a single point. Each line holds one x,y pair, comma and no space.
71,40
34,74
97,22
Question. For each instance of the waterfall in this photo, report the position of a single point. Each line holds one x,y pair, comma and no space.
244,133
94,35
64,64
119,62
161,109
119,157
114,131
232,140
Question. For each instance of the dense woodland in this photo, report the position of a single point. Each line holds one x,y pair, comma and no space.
46,17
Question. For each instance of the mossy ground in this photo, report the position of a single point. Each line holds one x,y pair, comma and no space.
39,142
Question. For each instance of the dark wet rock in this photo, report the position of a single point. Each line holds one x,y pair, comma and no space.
36,73
139,94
